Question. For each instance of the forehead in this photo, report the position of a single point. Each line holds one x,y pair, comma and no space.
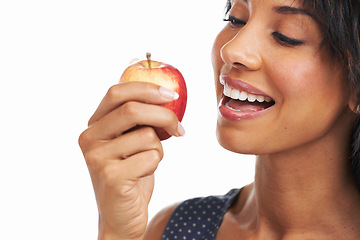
294,3
284,7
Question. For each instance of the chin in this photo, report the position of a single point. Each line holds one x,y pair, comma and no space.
228,140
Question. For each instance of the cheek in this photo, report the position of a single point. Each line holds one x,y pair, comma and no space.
291,78
307,79
313,96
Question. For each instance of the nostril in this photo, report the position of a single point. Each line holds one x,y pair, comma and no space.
238,65
249,62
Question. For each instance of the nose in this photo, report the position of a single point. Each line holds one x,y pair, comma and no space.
243,50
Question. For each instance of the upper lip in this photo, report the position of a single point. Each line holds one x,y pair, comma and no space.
241,85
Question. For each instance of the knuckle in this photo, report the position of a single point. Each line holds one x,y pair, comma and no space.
113,92
149,134
154,155
84,140
129,109
93,157
160,151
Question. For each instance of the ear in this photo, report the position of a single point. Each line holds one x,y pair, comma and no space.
354,104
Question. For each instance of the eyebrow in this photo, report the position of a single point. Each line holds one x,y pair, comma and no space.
288,10
293,10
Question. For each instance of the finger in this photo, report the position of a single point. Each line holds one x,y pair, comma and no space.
132,91
132,114
140,165
125,174
123,147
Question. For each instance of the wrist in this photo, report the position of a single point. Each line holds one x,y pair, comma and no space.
105,233
114,237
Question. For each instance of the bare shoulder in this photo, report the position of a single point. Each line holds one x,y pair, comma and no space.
157,225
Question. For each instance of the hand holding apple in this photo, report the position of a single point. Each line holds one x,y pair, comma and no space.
163,75
121,157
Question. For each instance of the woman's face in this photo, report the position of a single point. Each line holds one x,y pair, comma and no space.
281,89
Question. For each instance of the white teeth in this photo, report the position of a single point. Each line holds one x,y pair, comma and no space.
260,98
222,81
241,95
235,93
251,98
227,91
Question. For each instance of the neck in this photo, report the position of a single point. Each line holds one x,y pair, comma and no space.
296,190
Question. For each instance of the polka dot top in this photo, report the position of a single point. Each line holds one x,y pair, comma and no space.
199,218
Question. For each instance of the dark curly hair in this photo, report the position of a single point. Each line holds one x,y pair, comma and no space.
339,21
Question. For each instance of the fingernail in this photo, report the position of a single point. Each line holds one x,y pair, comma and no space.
181,130
169,94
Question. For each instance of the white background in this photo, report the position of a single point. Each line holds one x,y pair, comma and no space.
57,60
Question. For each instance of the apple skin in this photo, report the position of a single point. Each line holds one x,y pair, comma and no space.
163,75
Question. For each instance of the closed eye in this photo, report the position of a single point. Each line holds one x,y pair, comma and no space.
286,41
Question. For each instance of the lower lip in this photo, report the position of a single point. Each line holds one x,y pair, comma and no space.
232,114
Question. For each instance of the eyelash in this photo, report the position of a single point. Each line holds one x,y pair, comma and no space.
286,41
235,22
280,38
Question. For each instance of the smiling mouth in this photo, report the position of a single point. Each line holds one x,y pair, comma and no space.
243,101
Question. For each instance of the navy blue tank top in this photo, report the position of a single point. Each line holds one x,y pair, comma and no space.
199,218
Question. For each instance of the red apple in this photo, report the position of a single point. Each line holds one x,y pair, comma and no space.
163,75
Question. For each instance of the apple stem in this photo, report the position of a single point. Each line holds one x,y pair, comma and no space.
148,57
